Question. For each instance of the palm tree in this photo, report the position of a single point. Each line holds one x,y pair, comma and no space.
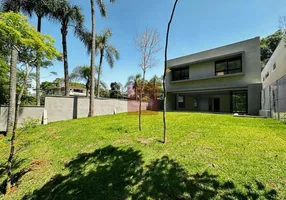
155,83
105,50
41,8
102,10
68,15
91,100
82,73
134,81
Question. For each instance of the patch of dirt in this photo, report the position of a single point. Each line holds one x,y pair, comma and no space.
194,135
37,164
13,189
145,140
122,140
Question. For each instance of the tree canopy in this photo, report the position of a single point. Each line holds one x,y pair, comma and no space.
268,45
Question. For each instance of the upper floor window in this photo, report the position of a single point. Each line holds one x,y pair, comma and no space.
266,76
180,74
228,66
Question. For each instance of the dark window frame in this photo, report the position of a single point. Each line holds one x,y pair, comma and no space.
227,70
196,103
182,105
181,76
274,66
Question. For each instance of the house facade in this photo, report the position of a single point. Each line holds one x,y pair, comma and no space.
273,78
225,79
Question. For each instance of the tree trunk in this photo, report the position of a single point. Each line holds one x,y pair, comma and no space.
11,114
87,86
20,95
140,101
98,75
135,91
12,91
165,70
65,56
38,69
92,69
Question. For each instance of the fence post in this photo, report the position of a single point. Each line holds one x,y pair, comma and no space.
278,111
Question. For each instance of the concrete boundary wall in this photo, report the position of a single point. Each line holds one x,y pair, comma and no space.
67,108
26,112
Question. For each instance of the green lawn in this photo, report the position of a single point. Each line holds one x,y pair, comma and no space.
207,156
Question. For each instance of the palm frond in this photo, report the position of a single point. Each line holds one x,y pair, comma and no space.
101,7
10,5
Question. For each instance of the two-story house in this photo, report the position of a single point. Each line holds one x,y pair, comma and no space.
225,79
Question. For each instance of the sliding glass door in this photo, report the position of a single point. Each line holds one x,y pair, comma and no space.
239,101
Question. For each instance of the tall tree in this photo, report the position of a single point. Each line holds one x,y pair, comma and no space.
68,15
148,44
92,57
90,41
41,8
14,6
134,81
165,71
17,32
109,52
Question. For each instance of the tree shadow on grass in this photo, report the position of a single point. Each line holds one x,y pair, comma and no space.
16,165
114,173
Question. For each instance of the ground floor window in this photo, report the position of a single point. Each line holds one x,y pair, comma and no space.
196,103
181,101
239,101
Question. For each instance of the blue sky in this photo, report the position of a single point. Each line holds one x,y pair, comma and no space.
197,26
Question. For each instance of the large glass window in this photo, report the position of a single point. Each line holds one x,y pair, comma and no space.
180,74
239,101
228,66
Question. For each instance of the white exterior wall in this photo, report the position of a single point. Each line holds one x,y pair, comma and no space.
278,57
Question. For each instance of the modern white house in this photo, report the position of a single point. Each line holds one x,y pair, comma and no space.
273,77
226,79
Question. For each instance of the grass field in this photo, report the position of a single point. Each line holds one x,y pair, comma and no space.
207,156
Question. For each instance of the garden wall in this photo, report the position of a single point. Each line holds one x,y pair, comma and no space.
66,108
26,112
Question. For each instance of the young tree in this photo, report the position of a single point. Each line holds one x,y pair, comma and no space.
68,15
148,44
31,46
165,71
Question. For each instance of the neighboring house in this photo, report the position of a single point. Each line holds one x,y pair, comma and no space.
224,79
76,89
273,77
